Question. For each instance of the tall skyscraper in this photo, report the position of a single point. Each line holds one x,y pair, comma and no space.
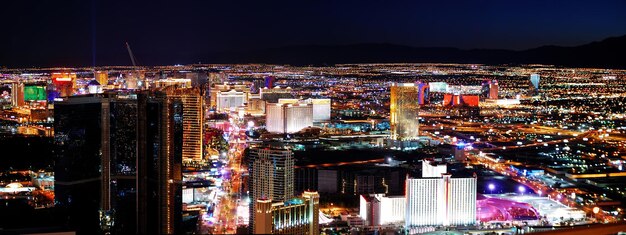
119,162
493,89
295,216
431,168
440,200
378,209
193,120
534,82
78,136
288,118
269,81
271,175
423,93
404,112
17,94
489,89
160,151
102,77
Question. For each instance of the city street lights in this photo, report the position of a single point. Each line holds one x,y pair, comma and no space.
521,189
491,188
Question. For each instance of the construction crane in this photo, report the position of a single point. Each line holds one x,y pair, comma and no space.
132,57
138,83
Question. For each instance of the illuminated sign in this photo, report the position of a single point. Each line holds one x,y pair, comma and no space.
63,79
34,93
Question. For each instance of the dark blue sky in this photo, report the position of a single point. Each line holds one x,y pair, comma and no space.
48,32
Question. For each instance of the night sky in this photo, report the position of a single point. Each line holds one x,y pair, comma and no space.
47,32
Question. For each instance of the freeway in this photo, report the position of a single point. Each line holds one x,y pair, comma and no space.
541,188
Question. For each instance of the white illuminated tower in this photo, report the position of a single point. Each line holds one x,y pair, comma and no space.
230,100
378,209
534,81
288,117
431,168
440,201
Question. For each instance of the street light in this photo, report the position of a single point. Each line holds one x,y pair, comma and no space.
491,188
521,189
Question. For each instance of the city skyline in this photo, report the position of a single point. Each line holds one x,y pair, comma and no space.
88,33
313,118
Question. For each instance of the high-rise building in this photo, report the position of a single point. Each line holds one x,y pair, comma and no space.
269,81
423,93
230,100
78,136
534,82
321,109
64,83
271,175
193,120
378,209
440,201
404,112
17,94
197,78
489,89
431,168
295,216
102,77
119,162
493,89
271,95
232,89
160,150
288,118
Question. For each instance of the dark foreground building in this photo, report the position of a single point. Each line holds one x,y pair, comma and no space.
118,164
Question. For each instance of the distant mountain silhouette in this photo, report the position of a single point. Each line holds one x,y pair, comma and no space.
608,53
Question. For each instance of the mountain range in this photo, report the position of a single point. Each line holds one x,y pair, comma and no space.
608,53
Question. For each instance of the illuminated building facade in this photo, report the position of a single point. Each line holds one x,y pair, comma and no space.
271,175
271,95
404,112
230,100
440,201
493,90
534,83
423,93
215,89
17,94
490,89
193,119
431,168
295,216
269,81
64,83
321,109
460,100
378,209
102,77
288,118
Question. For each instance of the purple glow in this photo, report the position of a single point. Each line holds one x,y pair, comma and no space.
495,209
521,189
492,187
